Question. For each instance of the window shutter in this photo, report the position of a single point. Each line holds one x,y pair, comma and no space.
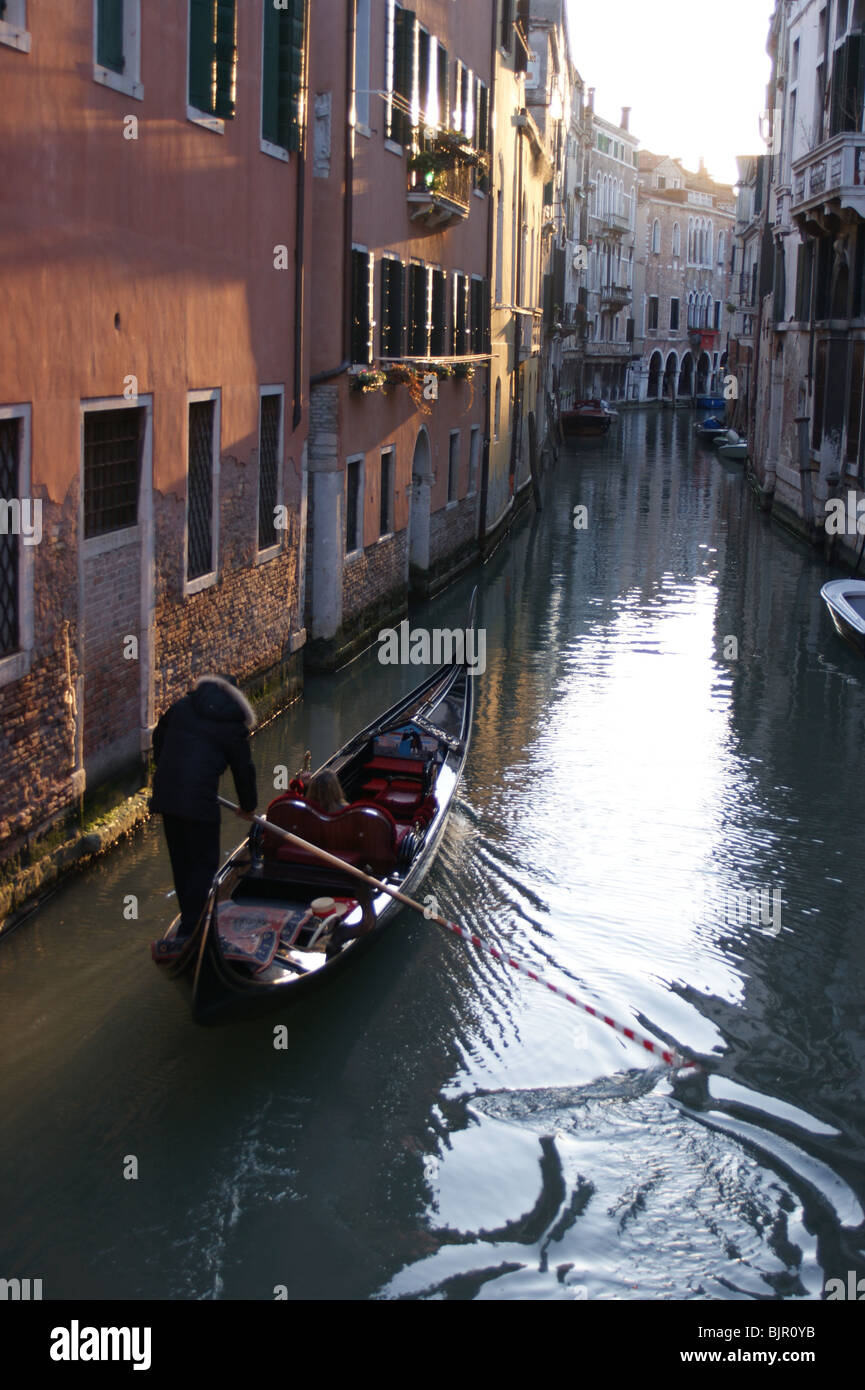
361,308
109,35
456,119
404,70
201,55
482,116
291,74
370,307
423,69
437,340
443,86
270,129
225,58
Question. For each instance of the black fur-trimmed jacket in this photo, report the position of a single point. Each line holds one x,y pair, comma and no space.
196,739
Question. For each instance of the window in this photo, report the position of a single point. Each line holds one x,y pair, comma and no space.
662,182
112,469
282,78
418,311
442,84
474,459
117,45
353,500
677,239
453,465
794,66
19,531
674,315
269,460
460,316
854,413
13,24
479,315
653,311
392,307
361,65
717,321
507,24
656,237
400,72
201,492
212,60
385,520
362,321
438,341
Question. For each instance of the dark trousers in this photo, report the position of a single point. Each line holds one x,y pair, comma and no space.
193,848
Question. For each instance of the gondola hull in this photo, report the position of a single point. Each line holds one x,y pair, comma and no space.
221,990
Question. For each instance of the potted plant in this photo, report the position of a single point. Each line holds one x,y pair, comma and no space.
367,380
464,371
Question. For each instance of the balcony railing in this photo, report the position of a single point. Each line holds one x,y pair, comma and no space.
529,333
596,348
833,172
441,178
616,296
617,222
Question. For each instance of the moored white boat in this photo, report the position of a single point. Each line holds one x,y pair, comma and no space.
845,599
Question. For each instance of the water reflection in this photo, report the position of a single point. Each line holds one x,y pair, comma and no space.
439,1126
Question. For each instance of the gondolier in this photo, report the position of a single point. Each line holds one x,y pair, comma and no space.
196,739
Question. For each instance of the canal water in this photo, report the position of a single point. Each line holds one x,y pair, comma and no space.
661,811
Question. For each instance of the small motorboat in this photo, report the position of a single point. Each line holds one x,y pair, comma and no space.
280,922
733,450
586,419
845,599
710,428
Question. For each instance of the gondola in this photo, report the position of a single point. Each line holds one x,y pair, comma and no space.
279,923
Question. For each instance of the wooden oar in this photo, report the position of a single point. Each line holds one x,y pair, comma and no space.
670,1056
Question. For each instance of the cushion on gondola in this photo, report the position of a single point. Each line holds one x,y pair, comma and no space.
399,802
362,833
249,935
401,767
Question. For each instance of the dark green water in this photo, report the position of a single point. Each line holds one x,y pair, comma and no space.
627,784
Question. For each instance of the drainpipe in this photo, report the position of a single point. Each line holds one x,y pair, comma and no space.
488,433
518,394
299,242
348,201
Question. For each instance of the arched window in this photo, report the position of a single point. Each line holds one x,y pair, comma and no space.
656,236
710,241
690,241
722,248
677,240
710,310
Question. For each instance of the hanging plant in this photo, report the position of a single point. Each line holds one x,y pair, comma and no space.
464,371
398,374
443,370
366,382
416,391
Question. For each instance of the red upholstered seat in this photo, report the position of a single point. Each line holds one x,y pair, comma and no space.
399,767
360,834
401,804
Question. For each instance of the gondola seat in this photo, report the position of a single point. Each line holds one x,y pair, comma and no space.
362,834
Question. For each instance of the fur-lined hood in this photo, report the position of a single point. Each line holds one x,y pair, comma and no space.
216,698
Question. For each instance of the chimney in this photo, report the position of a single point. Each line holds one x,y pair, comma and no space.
626,118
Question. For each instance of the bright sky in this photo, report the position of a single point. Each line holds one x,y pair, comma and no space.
694,75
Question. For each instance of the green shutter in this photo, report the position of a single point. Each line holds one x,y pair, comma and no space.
270,76
283,75
291,106
443,86
403,81
109,34
225,58
201,55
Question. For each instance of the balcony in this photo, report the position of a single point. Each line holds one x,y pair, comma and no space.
528,329
616,297
613,223
596,348
441,179
832,173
